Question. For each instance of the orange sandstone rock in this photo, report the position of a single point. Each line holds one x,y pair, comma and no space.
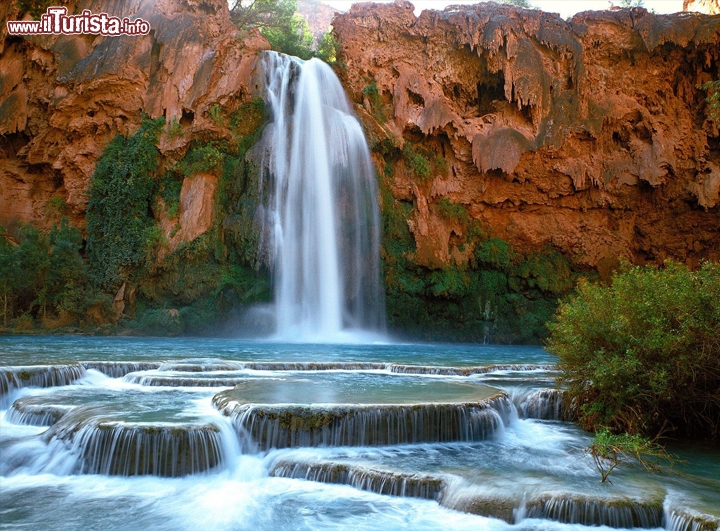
63,98
588,135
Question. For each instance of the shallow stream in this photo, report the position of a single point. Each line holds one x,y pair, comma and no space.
215,434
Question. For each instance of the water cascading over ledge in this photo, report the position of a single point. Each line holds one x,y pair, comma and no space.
320,215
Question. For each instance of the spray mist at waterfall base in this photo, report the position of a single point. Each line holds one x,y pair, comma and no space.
259,323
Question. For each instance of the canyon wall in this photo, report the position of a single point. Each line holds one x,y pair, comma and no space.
63,98
516,152
587,135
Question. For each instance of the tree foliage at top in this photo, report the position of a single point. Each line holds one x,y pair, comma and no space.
276,19
642,355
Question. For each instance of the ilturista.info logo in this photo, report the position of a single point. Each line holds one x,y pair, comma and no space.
56,21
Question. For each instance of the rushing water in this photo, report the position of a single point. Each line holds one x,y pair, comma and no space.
321,222
174,434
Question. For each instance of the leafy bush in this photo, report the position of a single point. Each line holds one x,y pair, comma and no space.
494,253
374,98
418,163
248,118
118,217
204,158
44,275
642,355
449,283
608,450
157,322
454,211
712,88
169,188
547,271
328,48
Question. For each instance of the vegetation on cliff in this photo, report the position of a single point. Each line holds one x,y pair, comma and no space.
712,88
56,280
43,277
499,295
642,355
119,221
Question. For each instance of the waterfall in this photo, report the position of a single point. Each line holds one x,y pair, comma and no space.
14,378
363,478
321,224
265,426
103,446
545,404
118,369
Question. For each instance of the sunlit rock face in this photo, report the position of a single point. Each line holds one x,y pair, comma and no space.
589,135
710,7
62,99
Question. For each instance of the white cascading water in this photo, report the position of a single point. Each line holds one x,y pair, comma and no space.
321,233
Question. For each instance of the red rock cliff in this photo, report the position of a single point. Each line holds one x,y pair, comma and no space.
588,135
63,98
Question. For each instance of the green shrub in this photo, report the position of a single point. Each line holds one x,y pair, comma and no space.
547,270
45,275
216,114
377,106
418,163
157,322
56,207
204,158
642,355
608,450
712,88
33,259
67,274
293,38
453,211
449,283
248,118
494,253
118,215
328,48
169,188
